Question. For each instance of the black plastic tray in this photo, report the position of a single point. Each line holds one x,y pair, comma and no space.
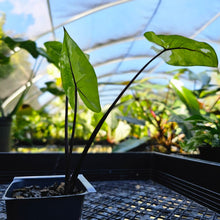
194,178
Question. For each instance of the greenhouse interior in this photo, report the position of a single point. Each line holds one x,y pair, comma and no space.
109,109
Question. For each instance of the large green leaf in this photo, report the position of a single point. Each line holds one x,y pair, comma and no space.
74,65
182,51
186,96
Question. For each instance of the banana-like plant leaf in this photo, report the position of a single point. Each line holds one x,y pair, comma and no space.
186,96
77,71
129,144
28,45
182,51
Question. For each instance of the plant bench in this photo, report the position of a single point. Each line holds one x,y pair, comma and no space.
133,185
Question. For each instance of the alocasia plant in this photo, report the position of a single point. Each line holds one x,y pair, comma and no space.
78,77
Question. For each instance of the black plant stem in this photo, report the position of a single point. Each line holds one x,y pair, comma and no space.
99,125
70,148
69,159
74,121
67,171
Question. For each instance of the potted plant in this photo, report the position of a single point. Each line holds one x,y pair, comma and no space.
206,136
149,115
202,123
8,47
5,69
78,77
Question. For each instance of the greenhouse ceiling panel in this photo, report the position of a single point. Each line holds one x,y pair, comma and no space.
111,32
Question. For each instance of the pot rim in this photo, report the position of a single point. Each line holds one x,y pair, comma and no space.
88,187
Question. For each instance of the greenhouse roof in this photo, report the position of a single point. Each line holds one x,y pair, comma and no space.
111,32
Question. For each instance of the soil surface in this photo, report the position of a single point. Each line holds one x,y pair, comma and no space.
35,191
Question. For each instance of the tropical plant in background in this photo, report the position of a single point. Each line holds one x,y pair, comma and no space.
148,113
40,128
202,120
206,132
34,128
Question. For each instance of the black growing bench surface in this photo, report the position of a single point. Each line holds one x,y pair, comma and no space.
136,199
131,185
141,199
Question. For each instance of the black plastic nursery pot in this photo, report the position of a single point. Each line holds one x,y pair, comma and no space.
68,207
209,153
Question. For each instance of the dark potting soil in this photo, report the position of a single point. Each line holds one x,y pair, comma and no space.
35,191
